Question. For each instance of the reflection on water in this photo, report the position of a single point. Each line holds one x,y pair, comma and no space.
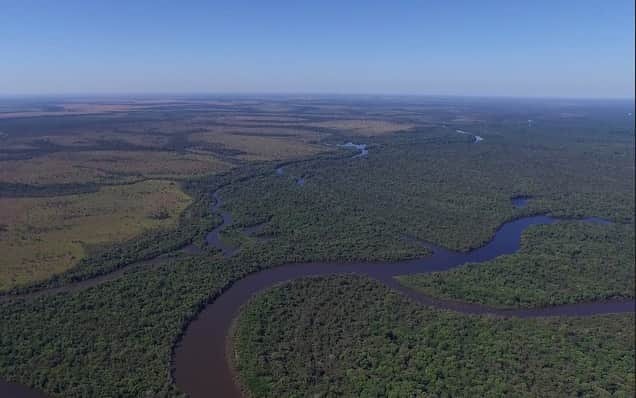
360,147
201,364
11,390
213,237
477,138
520,201
280,171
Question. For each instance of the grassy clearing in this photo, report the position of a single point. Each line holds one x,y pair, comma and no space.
95,138
40,237
293,132
74,109
364,127
257,145
258,119
106,166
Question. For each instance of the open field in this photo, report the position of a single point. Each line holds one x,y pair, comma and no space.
257,145
107,166
364,127
40,237
69,109
27,110
94,139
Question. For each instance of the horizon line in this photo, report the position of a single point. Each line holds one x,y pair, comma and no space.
183,94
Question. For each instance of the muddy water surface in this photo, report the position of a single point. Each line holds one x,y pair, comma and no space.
202,367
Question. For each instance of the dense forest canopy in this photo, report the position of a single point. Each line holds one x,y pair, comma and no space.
350,336
110,328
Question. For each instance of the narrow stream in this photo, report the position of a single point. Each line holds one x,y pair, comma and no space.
213,238
477,138
360,147
521,201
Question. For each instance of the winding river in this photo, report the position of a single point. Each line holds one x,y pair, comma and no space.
213,237
362,148
476,138
201,363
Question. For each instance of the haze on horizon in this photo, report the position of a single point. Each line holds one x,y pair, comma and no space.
486,48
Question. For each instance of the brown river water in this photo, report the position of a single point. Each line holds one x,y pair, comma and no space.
201,365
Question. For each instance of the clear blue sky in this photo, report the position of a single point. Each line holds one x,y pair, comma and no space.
578,48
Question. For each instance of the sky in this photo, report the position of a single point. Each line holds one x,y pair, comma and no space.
551,48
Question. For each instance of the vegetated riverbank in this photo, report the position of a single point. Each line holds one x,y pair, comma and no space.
193,224
163,281
167,297
280,171
200,225
421,184
200,358
542,272
520,201
477,139
360,147
352,336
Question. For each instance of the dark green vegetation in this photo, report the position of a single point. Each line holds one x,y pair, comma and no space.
25,190
438,187
564,263
111,340
428,183
350,336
